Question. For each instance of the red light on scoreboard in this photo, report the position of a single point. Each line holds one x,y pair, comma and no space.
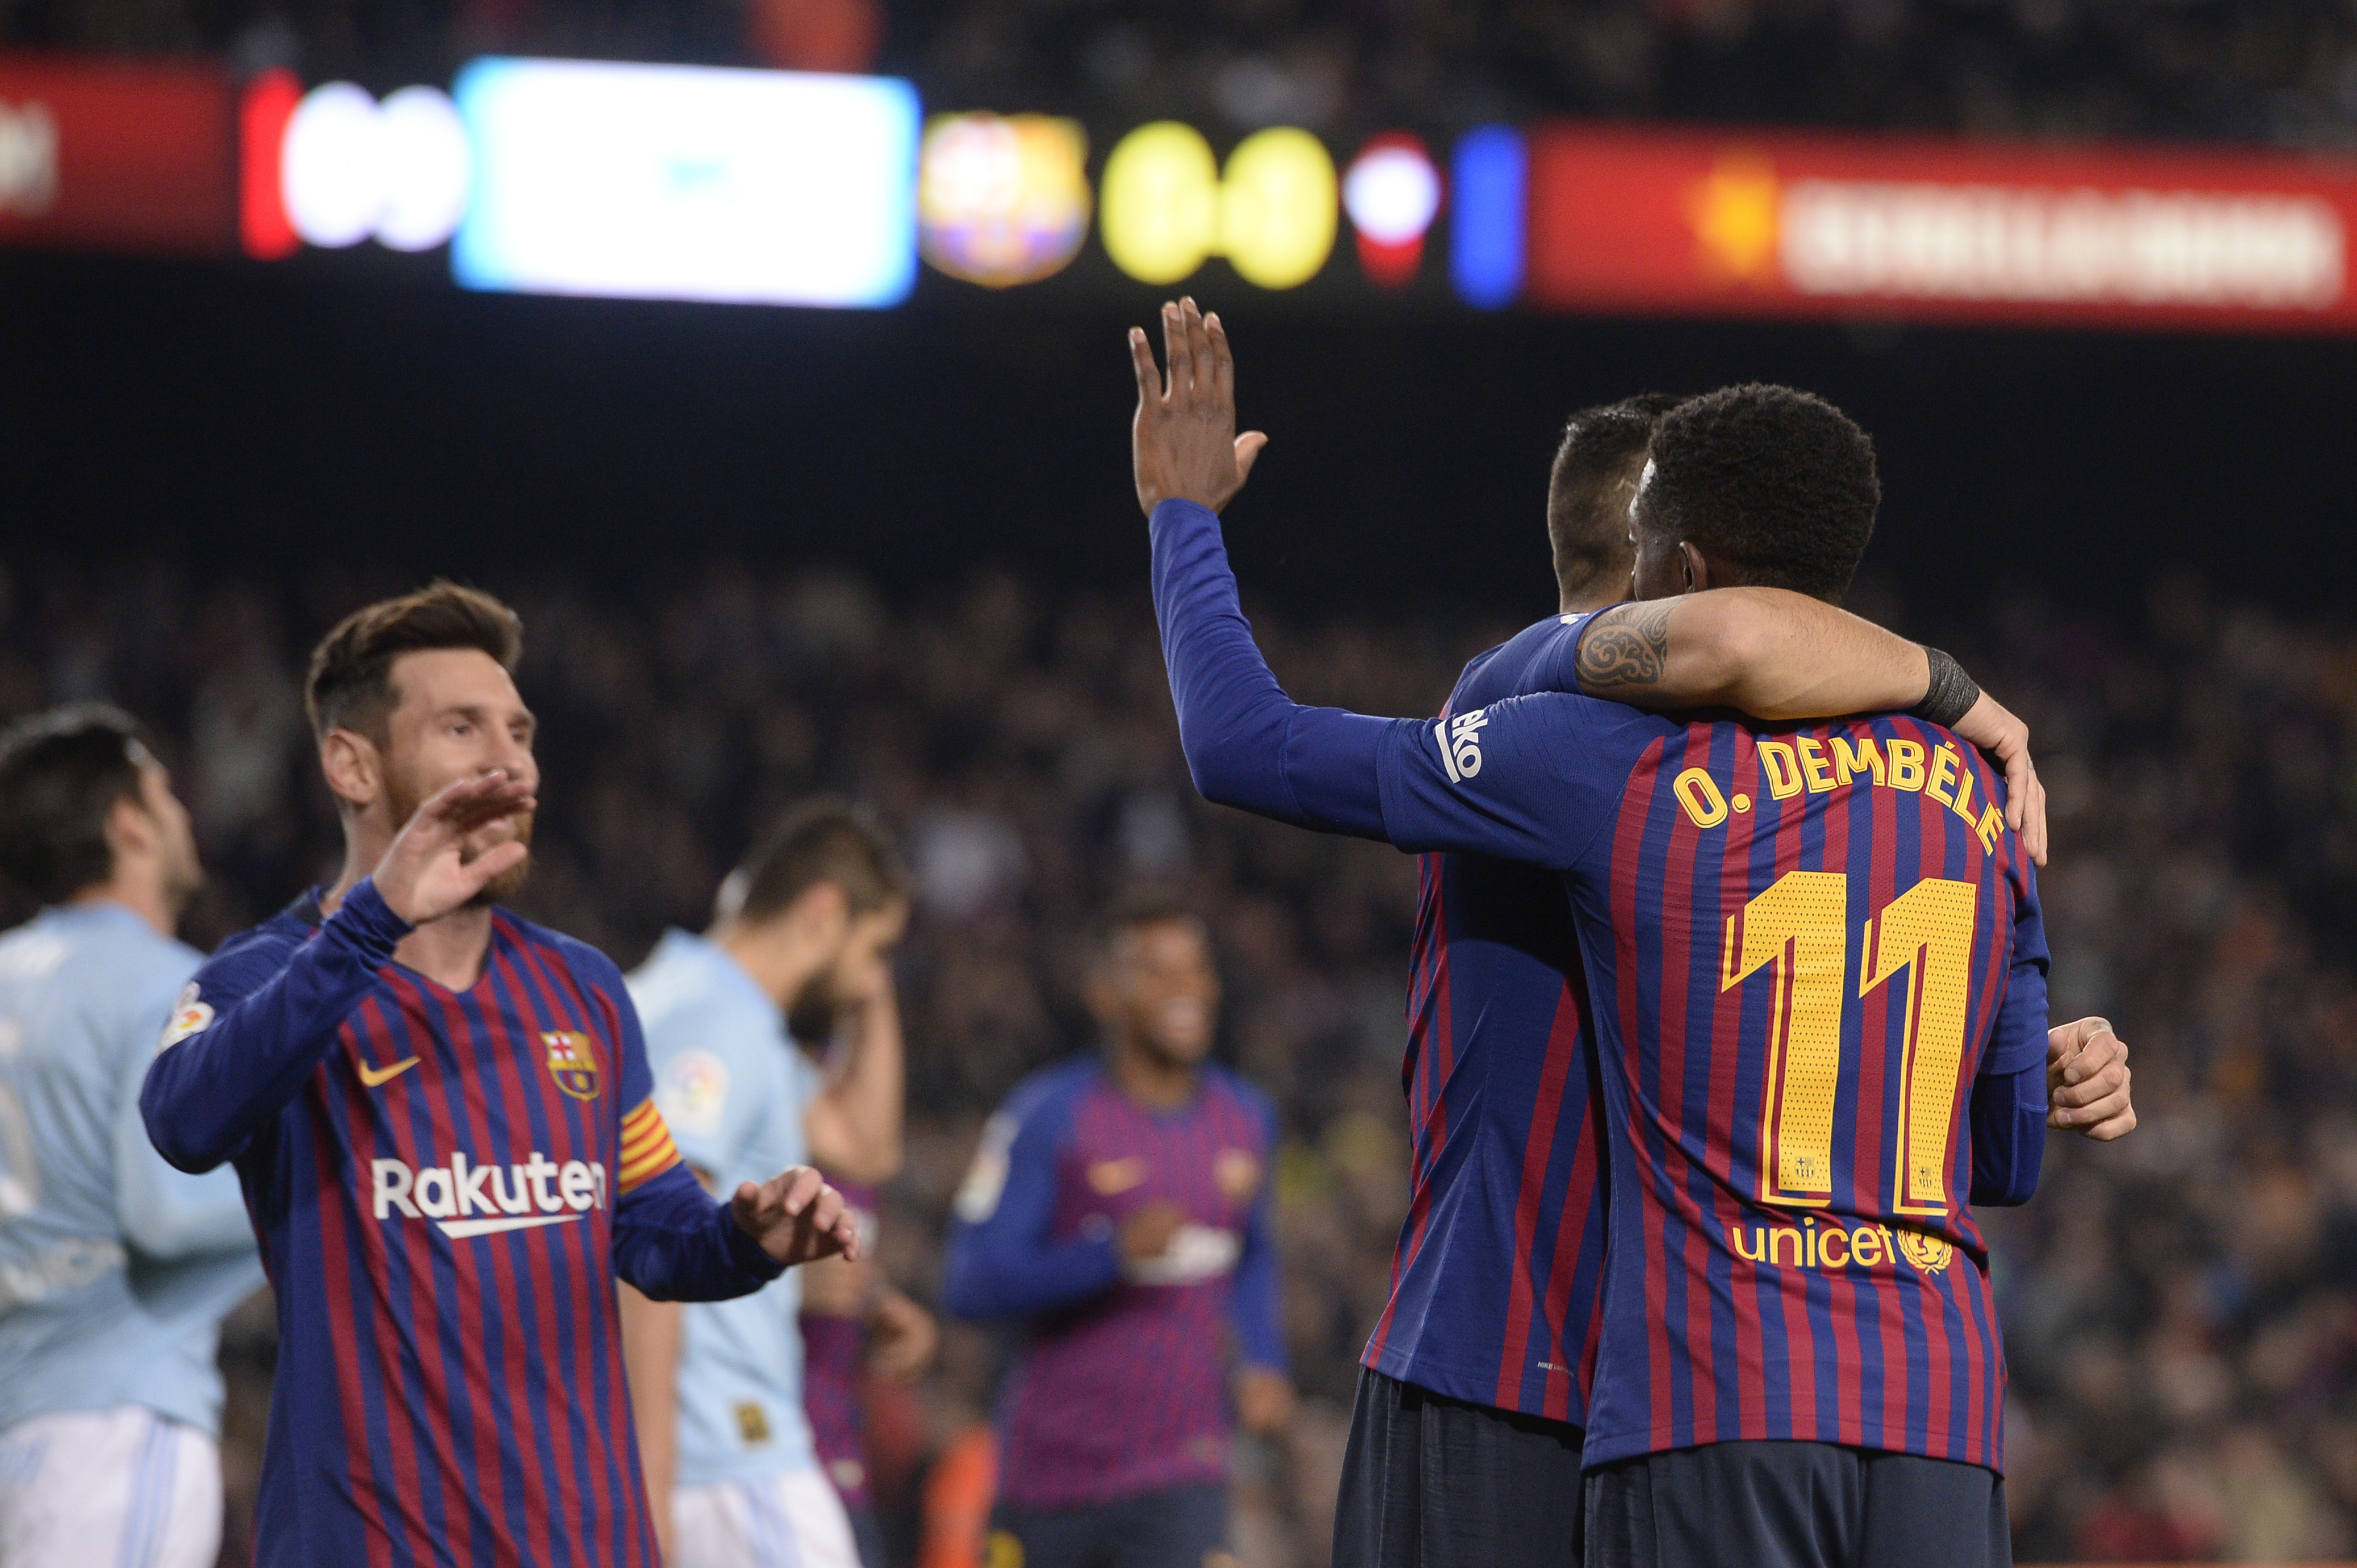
117,156
263,224
1780,224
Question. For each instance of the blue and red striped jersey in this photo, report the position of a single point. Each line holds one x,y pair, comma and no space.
834,1349
1816,976
1120,1384
1504,1116
1804,944
445,1184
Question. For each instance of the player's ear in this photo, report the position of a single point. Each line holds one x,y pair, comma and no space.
129,830
354,771
1698,569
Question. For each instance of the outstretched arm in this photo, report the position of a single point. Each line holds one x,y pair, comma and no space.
1776,654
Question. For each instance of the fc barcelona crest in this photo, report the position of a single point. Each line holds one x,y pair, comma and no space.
572,1063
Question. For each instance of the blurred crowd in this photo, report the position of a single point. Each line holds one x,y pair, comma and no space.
2181,1309
2280,71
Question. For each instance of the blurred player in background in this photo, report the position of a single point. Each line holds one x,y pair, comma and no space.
116,1269
808,921
446,1133
854,1321
1119,1209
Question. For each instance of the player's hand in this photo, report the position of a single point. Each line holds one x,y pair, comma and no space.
1263,1401
427,873
1183,443
1145,1234
2087,1081
2005,737
901,1338
796,1217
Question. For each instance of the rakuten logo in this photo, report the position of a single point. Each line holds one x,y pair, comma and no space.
538,1192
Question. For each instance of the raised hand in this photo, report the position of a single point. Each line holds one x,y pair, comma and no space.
2005,737
1183,443
427,873
2087,1080
796,1217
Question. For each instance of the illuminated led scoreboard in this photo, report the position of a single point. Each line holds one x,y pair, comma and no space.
773,187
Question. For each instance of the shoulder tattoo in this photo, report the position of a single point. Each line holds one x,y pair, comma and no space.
1627,646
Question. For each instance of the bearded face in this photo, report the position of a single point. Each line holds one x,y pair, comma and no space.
456,714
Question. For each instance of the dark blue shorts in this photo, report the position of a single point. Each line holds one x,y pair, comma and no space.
1795,1505
1179,1528
1434,1482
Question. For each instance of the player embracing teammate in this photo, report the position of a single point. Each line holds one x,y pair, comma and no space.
1797,967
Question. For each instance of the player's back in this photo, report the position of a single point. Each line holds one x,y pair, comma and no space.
86,1320
1803,943
1500,1256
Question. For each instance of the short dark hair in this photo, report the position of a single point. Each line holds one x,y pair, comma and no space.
823,839
1778,484
1596,468
350,682
1138,910
61,774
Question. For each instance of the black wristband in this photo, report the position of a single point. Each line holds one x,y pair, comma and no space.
1950,694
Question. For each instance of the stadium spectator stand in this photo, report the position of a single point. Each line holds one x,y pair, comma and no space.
2182,1309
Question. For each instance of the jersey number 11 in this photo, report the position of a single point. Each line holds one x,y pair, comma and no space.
1801,926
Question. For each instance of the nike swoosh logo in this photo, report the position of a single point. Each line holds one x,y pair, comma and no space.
373,1076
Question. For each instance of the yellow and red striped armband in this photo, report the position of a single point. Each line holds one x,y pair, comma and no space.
647,1150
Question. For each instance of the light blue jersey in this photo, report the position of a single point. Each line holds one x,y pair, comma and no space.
116,1269
732,1086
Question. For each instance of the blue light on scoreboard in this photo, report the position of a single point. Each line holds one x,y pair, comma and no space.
676,182
1486,249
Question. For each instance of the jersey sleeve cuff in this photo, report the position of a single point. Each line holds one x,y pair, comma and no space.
745,1253
1180,514
372,928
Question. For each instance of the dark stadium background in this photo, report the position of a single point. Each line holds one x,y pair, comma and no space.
761,552
230,416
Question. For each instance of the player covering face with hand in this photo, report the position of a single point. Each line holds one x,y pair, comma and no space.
1485,943
806,925
1118,1213
444,1122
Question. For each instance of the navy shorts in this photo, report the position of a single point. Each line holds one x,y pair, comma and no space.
1795,1505
1434,1482
1183,1527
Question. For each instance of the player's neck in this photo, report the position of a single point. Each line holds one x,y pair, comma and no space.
769,957
448,951
143,896
1152,1081
1590,595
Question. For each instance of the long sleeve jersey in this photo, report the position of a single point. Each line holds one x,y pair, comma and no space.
447,1185
114,1268
1802,948
1119,1385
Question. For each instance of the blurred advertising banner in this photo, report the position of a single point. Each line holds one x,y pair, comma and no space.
680,182
116,156
1777,225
